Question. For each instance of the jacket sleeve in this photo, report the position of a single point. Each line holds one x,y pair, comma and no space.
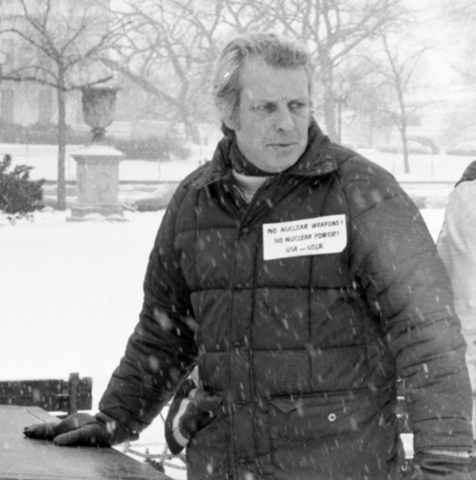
161,351
395,258
457,249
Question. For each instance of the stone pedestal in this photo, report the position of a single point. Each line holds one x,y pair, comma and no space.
97,178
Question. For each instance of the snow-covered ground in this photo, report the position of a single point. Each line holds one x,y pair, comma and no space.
71,292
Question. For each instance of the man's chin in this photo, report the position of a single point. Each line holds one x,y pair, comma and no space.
278,164
287,158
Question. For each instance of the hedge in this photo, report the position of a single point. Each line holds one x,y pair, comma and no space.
151,148
19,196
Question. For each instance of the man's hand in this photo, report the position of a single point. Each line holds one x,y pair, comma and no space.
80,429
192,409
436,467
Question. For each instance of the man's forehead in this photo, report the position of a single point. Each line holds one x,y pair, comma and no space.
261,81
272,98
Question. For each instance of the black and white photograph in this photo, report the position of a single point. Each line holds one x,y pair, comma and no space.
237,239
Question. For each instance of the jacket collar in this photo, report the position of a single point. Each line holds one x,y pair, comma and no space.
318,159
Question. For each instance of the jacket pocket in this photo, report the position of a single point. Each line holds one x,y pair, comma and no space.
310,417
349,435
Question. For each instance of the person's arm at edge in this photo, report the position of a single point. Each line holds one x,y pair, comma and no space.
457,249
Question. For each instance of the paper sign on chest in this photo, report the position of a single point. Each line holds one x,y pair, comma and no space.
310,236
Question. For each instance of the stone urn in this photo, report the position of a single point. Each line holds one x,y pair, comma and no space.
97,164
99,105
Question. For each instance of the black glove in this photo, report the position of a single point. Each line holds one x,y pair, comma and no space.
82,429
192,410
430,466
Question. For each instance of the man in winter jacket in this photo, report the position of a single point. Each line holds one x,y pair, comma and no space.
303,283
456,246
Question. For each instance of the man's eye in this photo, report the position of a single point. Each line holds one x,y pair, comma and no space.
266,107
295,106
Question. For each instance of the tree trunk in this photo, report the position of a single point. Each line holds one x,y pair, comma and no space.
330,114
403,132
61,186
406,161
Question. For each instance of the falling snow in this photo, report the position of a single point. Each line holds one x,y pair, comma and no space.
71,293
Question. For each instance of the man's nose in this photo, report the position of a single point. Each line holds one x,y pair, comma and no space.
284,120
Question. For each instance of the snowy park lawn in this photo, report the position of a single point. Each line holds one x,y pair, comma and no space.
71,295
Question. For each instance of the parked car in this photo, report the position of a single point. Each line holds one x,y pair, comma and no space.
427,141
464,148
413,147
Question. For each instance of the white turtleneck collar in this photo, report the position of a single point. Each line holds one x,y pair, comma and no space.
247,184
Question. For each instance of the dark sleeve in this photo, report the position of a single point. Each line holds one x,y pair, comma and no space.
161,351
407,286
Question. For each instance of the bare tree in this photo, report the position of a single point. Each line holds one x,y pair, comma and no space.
460,20
356,94
170,45
61,43
168,48
397,70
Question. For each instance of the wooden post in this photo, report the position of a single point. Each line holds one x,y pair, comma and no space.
73,384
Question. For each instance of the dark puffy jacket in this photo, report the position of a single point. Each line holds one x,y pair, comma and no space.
305,347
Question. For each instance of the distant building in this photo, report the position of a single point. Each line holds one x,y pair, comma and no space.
29,102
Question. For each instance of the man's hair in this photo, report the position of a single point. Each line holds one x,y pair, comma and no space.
276,51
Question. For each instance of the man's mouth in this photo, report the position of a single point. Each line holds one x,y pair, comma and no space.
281,145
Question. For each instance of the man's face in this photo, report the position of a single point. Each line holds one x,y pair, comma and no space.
273,116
